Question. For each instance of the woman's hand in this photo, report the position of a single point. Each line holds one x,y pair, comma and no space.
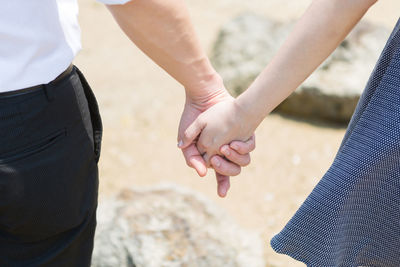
235,155
221,124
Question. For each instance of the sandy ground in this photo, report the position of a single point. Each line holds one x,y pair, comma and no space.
141,106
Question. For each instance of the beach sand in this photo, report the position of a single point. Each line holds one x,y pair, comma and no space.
141,106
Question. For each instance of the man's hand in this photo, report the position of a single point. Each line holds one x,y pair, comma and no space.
238,155
163,30
232,157
222,123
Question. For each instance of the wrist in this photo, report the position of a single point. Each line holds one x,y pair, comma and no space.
251,115
206,92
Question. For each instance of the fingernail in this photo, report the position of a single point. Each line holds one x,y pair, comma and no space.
235,146
226,151
180,143
216,162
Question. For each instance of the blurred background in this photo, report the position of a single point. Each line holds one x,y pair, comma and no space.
141,106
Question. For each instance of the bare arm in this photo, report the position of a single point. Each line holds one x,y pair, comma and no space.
163,30
320,30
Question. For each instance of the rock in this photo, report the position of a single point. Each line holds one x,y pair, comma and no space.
166,226
246,44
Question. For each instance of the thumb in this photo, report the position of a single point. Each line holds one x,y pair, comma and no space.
191,133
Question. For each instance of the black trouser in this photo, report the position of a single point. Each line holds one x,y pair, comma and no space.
49,147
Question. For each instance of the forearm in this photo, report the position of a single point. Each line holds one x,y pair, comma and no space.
163,30
320,30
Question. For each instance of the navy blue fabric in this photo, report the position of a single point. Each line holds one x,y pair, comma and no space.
352,217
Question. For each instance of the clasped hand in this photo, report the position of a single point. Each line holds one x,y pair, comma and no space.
216,136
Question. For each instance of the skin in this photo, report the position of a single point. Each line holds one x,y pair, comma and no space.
163,30
316,35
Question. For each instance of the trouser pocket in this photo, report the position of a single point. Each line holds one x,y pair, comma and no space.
48,171
94,114
36,147
47,188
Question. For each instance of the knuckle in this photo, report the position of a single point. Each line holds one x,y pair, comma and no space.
206,145
214,140
234,157
221,168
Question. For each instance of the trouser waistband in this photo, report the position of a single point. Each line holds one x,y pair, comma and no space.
38,87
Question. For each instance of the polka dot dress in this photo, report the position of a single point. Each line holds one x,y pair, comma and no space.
352,217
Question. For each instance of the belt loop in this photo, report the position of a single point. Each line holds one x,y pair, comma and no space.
48,90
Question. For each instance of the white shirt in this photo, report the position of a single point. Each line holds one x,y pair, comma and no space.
38,40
